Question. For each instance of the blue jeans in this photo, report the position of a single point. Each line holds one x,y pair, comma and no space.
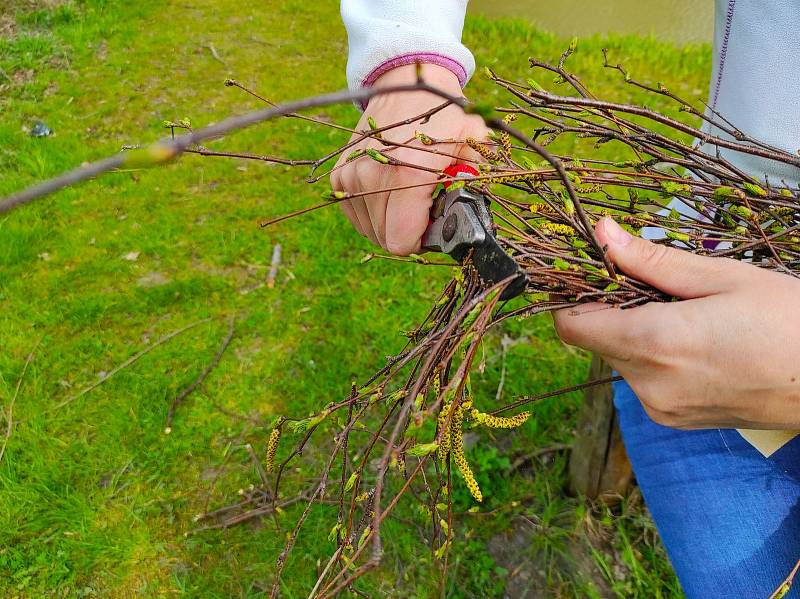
729,518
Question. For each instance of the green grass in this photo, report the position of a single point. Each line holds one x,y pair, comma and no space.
94,497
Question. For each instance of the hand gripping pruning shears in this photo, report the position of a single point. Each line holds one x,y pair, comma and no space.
460,223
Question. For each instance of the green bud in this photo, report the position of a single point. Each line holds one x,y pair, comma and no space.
742,211
152,155
754,190
355,154
573,44
377,156
560,264
678,236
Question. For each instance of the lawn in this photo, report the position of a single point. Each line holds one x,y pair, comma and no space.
95,497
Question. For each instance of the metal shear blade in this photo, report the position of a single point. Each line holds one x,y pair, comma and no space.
462,222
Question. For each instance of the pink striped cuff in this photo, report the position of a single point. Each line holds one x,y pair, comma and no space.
441,60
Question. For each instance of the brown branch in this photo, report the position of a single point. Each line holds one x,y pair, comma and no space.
202,377
128,362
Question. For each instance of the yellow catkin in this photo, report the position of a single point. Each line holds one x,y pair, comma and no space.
484,150
559,229
444,439
500,421
634,221
541,209
272,445
782,210
401,465
505,143
457,447
444,442
515,178
436,384
510,118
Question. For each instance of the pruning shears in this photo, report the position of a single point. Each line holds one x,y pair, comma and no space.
460,222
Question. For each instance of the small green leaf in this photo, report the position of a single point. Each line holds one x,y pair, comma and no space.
364,536
573,44
423,449
334,531
723,192
560,264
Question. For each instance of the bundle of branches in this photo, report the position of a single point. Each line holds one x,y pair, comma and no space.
400,433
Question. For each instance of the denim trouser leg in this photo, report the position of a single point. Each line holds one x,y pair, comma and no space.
729,518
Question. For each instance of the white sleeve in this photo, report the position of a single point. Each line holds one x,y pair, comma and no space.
384,34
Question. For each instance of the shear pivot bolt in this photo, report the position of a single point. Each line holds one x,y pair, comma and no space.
449,227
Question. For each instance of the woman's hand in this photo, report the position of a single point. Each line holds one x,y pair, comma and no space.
396,220
726,356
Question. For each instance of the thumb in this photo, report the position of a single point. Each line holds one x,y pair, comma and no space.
673,271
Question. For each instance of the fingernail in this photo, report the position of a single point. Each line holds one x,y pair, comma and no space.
616,233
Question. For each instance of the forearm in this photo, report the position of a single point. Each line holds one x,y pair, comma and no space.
384,34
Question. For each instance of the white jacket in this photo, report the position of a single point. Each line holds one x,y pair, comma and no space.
384,34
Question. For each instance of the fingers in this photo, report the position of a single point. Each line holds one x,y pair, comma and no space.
346,205
362,214
407,214
376,208
612,332
407,211
397,219
669,269
355,210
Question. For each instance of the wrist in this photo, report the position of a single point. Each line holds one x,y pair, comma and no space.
434,75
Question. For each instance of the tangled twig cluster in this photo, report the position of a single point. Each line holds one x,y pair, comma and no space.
400,433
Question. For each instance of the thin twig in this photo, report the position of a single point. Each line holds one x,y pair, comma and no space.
262,474
786,585
128,362
9,415
199,380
